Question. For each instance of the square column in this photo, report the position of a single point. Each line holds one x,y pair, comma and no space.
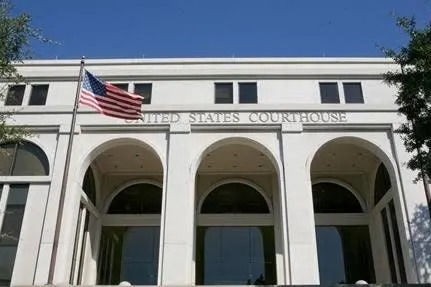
47,238
301,234
177,211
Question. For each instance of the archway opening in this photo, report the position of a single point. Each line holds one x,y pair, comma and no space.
118,230
348,179
26,160
236,238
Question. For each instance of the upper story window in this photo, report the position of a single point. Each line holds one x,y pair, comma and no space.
145,91
223,93
123,86
329,93
229,93
15,95
247,93
38,95
353,93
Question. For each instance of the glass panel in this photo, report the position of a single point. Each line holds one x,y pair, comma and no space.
145,91
14,214
17,194
333,198
235,256
30,160
123,86
388,240
7,153
7,260
138,199
234,198
247,93
329,93
89,186
353,93
15,95
397,240
223,93
83,249
38,95
382,183
11,230
131,254
344,254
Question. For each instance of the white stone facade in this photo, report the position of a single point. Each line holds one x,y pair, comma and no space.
187,145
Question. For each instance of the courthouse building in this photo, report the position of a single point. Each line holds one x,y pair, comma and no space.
256,171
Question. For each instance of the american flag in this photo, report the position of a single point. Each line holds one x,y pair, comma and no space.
109,100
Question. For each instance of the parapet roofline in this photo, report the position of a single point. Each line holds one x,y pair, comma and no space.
212,61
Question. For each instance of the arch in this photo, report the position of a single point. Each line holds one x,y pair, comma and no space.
123,186
382,183
345,185
361,142
235,180
99,148
38,159
89,185
234,140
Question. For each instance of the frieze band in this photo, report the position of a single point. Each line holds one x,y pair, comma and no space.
240,117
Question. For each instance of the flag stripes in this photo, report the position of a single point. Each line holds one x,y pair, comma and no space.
109,99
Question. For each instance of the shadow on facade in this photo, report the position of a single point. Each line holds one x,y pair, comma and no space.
421,238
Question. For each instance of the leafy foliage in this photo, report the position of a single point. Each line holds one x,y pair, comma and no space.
15,35
413,81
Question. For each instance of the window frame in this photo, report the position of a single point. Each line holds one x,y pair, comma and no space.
126,220
236,220
215,92
4,196
14,159
7,95
144,102
322,83
360,88
341,92
236,91
32,85
239,92
121,83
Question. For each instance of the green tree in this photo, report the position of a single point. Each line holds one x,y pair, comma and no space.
16,33
413,82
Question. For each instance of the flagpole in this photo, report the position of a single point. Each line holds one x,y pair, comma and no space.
65,177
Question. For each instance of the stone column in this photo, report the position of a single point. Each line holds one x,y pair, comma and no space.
302,251
178,211
46,243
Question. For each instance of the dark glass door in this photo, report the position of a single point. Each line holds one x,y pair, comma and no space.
235,256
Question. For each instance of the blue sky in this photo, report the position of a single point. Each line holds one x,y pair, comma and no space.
222,28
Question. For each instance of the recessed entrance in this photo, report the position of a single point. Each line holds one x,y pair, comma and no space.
351,195
236,238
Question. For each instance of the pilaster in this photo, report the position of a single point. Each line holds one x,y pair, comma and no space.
303,264
178,220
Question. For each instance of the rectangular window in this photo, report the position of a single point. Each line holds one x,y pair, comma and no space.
223,93
329,93
11,230
353,93
38,95
123,86
247,93
15,95
145,91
